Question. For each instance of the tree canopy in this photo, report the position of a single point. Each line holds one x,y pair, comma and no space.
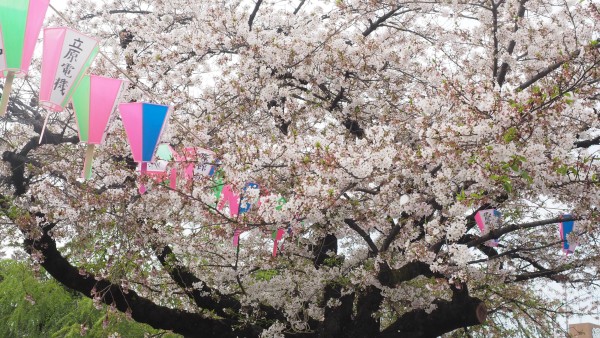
374,132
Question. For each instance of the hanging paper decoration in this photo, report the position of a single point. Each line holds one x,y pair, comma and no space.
231,198
206,162
488,220
67,54
236,237
200,162
218,181
93,101
158,169
196,162
193,162
166,152
250,197
567,227
144,124
20,25
277,236
239,204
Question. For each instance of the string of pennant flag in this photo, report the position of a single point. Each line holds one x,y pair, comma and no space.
490,219
66,57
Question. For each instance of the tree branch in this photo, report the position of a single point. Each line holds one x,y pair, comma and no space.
448,316
253,14
496,233
410,271
511,45
588,143
185,280
374,25
354,226
128,301
299,6
206,297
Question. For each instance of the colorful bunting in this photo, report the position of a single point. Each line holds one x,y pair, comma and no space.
67,54
488,220
93,101
20,25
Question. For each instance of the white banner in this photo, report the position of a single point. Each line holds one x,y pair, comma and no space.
75,52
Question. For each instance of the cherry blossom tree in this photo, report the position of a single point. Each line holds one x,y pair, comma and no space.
375,131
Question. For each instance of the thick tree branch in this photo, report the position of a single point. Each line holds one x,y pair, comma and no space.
588,143
128,301
496,233
542,73
206,297
18,160
392,277
203,297
299,6
511,45
540,273
374,25
337,319
354,226
253,14
367,304
325,245
448,316
115,11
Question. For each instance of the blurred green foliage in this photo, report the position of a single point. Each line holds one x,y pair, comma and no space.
37,306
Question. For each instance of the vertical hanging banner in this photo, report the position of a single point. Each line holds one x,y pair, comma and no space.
20,25
198,161
239,203
277,236
250,196
67,54
144,124
566,227
488,220
94,99
236,237
205,162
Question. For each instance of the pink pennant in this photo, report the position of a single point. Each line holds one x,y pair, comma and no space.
278,237
35,18
132,116
173,179
103,99
236,237
228,196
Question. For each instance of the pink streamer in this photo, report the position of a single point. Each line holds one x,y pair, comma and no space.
236,237
173,179
278,237
143,170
